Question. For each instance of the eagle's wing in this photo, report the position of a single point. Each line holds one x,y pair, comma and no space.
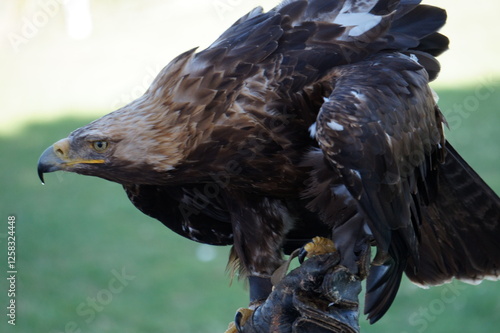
186,210
381,130
429,213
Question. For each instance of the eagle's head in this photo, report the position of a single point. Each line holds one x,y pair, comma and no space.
121,146
138,143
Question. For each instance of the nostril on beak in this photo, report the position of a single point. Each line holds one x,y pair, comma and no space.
61,148
59,152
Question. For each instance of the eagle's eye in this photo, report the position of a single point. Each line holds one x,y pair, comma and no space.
100,146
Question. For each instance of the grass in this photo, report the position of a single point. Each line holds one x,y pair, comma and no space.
76,234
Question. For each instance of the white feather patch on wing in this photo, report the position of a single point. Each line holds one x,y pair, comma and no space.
359,96
335,126
360,22
388,139
414,58
312,131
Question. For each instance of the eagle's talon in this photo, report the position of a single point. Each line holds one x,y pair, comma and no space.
237,321
302,255
317,246
241,317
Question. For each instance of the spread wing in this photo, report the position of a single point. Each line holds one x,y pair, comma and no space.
381,130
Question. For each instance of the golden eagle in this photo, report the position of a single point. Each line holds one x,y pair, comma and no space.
312,119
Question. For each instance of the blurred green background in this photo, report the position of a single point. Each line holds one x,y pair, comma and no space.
87,260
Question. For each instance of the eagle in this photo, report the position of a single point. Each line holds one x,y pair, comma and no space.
314,118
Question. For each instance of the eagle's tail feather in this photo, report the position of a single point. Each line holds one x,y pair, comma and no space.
460,229
459,238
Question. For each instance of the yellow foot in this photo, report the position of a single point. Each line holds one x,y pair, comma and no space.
318,245
240,319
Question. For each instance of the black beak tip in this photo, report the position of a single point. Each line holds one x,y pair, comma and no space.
47,162
40,175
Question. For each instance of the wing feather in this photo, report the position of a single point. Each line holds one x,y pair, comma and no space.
185,210
381,129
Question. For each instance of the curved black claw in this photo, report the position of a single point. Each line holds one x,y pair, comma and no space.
317,246
302,254
241,317
237,321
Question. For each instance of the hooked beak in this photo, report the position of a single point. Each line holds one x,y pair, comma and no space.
56,157
53,158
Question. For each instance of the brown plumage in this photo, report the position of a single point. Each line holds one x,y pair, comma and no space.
314,118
